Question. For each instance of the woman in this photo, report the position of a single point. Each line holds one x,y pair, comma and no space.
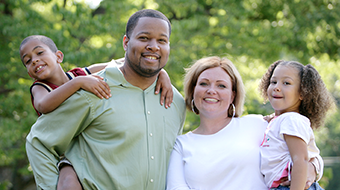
223,151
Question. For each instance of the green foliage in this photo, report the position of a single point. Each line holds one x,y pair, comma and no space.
251,33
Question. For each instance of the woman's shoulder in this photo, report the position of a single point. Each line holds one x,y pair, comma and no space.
253,118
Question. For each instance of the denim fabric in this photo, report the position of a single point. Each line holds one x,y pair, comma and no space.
314,186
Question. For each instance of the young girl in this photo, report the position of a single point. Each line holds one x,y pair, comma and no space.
300,100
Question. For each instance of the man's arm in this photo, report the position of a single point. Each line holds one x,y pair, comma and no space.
51,135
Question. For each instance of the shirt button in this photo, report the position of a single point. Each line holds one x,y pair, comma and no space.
152,157
150,134
151,180
149,112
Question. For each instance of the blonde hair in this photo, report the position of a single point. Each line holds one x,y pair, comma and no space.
193,72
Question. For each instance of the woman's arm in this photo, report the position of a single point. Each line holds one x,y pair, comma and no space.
175,176
298,152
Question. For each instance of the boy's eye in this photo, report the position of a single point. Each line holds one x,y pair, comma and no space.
40,52
27,62
163,40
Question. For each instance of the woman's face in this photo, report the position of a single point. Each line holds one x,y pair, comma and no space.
213,93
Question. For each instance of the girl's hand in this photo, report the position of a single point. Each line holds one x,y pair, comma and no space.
164,85
96,85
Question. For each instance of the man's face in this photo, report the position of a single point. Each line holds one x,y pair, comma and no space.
148,48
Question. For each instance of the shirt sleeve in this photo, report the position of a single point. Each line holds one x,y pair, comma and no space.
175,177
296,126
50,136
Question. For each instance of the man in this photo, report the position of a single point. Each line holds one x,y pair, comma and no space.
123,142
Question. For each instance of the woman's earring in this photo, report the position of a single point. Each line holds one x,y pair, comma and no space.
193,107
234,109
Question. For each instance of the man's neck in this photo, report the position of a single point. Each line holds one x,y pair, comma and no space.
135,79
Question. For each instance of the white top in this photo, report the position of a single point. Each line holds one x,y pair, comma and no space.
274,150
228,159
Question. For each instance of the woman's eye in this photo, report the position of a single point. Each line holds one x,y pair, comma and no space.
203,84
222,86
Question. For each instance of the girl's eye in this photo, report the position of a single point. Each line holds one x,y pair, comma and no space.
272,82
40,52
286,83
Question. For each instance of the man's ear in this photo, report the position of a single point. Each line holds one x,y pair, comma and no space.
60,56
125,42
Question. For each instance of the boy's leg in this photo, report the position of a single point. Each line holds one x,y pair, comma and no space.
68,179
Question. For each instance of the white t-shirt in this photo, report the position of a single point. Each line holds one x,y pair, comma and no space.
228,159
274,150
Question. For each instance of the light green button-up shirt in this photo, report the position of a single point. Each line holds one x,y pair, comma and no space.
123,142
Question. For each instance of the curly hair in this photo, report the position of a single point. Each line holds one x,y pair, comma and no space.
192,74
316,101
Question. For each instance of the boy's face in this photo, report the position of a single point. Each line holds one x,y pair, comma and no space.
39,60
148,48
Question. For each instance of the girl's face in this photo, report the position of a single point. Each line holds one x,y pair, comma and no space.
284,89
213,93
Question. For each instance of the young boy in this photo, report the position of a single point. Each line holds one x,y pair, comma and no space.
53,86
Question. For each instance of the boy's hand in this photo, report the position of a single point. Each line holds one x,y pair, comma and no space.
164,85
96,85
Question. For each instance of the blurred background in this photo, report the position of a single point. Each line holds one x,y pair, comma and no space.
251,33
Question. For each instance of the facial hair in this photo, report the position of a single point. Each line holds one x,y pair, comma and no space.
148,73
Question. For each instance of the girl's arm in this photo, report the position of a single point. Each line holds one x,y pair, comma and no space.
298,152
164,85
46,102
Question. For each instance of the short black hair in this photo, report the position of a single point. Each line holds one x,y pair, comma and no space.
44,39
133,20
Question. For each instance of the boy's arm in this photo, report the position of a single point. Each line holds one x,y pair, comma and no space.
100,66
46,102
298,152
164,85
97,67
